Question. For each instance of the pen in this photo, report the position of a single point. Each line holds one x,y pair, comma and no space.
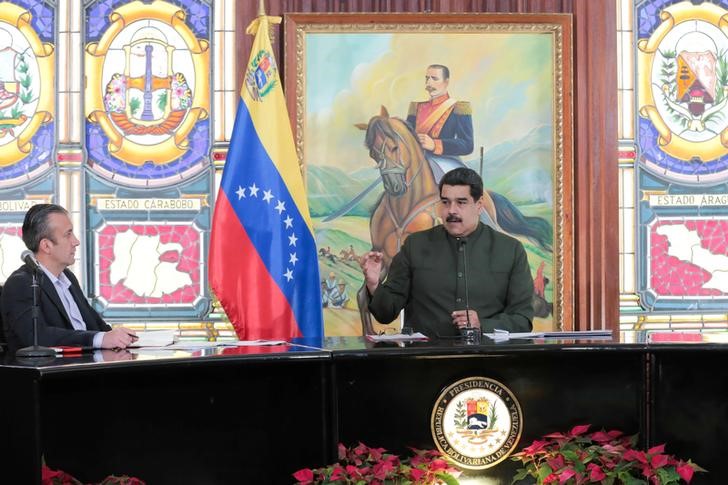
67,349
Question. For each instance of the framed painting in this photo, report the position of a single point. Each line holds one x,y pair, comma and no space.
508,77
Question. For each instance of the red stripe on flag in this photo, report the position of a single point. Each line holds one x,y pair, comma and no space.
253,302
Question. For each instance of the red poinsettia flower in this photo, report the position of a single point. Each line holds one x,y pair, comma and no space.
417,460
376,453
551,478
304,476
595,472
338,473
536,446
361,464
601,437
631,455
658,461
438,464
556,463
685,471
579,430
566,475
416,475
647,471
656,449
353,471
577,458
380,470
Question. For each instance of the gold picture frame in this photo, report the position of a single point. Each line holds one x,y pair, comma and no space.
516,72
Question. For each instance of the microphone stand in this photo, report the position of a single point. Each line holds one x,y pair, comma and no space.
35,351
470,334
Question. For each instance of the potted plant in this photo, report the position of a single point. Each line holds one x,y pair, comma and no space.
607,457
363,465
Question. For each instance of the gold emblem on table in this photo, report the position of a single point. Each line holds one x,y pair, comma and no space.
476,422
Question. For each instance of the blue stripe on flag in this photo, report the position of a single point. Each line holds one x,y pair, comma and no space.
275,226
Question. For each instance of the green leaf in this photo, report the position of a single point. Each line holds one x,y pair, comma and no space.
570,454
543,471
628,479
668,475
717,116
446,478
134,105
25,81
521,473
162,101
26,96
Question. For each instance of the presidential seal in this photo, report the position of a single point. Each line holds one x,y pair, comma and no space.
476,422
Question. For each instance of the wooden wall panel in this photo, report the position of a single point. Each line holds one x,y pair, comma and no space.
596,227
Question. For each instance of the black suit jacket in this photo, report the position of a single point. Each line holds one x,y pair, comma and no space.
54,324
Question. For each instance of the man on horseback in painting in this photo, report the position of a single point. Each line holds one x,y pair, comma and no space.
427,276
444,129
443,125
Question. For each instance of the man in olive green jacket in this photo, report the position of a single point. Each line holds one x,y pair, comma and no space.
428,276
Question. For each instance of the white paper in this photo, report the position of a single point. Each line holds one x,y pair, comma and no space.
501,335
154,338
397,337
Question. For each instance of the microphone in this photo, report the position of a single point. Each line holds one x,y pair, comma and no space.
29,259
463,242
35,354
470,335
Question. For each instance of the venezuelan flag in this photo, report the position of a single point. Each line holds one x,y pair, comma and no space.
263,265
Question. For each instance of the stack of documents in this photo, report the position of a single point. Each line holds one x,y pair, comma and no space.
398,337
154,338
501,335
166,339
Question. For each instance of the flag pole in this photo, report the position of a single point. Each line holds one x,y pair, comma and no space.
261,8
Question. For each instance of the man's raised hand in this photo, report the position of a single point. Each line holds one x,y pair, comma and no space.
371,265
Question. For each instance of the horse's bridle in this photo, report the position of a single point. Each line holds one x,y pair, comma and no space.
399,168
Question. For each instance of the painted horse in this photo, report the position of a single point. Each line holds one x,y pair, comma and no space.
409,201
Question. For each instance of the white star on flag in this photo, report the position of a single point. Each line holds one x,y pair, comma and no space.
292,240
240,192
253,190
280,207
288,274
293,259
288,221
267,195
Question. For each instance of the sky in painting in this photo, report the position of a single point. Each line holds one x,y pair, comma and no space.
507,78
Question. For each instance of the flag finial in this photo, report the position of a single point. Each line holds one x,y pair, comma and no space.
261,8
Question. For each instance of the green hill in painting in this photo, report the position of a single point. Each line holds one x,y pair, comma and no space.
519,169
330,188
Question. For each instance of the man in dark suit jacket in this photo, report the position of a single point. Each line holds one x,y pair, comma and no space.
65,316
428,276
